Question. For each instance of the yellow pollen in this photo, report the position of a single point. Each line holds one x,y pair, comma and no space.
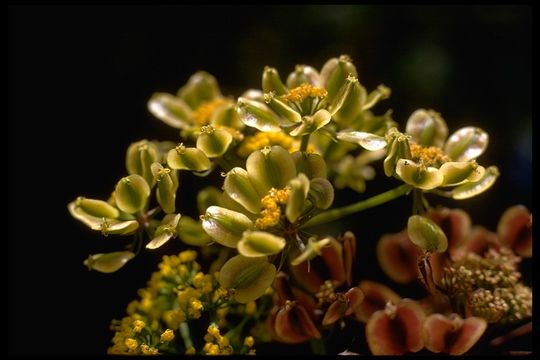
429,156
263,139
203,113
303,91
271,212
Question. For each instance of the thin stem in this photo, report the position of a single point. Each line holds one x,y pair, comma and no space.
520,331
184,331
304,143
376,200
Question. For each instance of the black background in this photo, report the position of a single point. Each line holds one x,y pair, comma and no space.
79,79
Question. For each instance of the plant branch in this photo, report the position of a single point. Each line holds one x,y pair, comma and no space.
376,200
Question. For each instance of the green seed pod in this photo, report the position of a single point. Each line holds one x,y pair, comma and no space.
418,175
209,196
321,193
165,231
282,108
166,188
471,189
466,144
249,277
225,226
311,164
380,93
258,115
108,263
334,74
192,233
200,88
270,167
426,234
260,243
456,173
132,193
312,123
366,140
170,109
226,115
297,197
78,213
349,101
213,142
115,227
272,82
183,158
238,186
303,74
139,157
97,208
427,128
312,250
397,147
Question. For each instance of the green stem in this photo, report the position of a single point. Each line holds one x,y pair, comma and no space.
304,143
184,331
376,200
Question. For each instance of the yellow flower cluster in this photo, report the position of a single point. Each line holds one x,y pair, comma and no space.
303,91
202,115
429,156
216,344
271,211
176,294
263,139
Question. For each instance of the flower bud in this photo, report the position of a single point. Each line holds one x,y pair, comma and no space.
257,115
225,226
249,277
166,188
238,186
110,262
426,234
334,74
272,82
466,144
97,208
170,109
131,193
213,142
183,158
427,128
270,167
297,197
260,243
200,88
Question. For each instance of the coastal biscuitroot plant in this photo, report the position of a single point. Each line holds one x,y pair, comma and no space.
253,270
